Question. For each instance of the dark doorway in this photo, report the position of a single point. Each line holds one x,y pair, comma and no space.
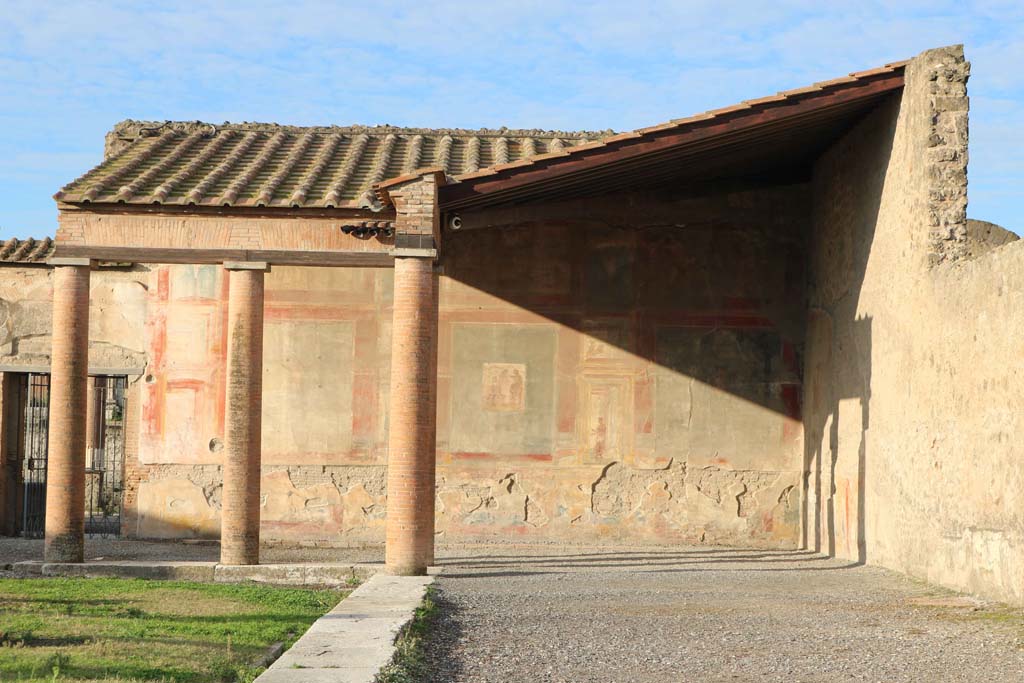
104,456
36,400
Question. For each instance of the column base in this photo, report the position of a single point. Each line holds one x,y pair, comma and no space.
67,548
238,559
405,570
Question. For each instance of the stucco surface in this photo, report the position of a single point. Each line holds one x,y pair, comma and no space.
117,313
630,374
913,372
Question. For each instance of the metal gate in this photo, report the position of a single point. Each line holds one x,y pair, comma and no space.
33,473
104,457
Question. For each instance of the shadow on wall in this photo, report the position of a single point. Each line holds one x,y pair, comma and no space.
838,413
648,344
848,185
657,334
712,291
707,286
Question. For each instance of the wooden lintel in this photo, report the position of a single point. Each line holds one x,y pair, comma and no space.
357,259
340,214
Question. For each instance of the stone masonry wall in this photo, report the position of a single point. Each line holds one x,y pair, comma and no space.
913,369
117,315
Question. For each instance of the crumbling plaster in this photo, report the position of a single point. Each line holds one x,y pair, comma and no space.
599,322
117,312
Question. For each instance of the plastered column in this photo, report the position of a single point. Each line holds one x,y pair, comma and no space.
411,442
69,377
93,430
240,514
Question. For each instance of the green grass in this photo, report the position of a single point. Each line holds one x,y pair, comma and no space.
134,630
409,664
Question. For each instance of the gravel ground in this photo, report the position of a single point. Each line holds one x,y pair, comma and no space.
551,613
521,613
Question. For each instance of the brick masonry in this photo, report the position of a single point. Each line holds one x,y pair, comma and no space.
413,413
240,523
415,204
65,478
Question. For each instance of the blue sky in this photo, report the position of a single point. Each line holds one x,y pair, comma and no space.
69,71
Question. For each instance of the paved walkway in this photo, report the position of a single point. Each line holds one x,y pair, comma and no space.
519,613
356,639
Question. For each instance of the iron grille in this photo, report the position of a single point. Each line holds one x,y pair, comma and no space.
104,457
36,433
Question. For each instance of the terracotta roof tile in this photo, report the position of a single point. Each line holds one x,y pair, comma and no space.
414,154
501,151
252,164
444,153
182,163
28,250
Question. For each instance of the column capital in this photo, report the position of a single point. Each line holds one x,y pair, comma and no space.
407,252
68,261
247,265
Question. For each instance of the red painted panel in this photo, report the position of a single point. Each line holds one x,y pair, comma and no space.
536,457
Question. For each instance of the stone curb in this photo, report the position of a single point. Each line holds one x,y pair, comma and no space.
175,571
297,574
356,639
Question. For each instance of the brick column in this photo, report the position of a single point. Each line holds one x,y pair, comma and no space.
240,513
411,443
69,377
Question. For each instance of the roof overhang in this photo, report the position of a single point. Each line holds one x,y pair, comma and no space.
769,137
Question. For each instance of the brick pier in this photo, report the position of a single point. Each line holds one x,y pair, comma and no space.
240,516
65,477
410,520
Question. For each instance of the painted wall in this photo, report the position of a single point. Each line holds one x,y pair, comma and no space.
635,381
625,368
914,359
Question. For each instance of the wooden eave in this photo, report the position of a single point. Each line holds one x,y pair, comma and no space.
756,136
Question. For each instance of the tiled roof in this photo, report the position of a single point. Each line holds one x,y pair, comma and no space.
28,250
267,165
594,148
183,163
